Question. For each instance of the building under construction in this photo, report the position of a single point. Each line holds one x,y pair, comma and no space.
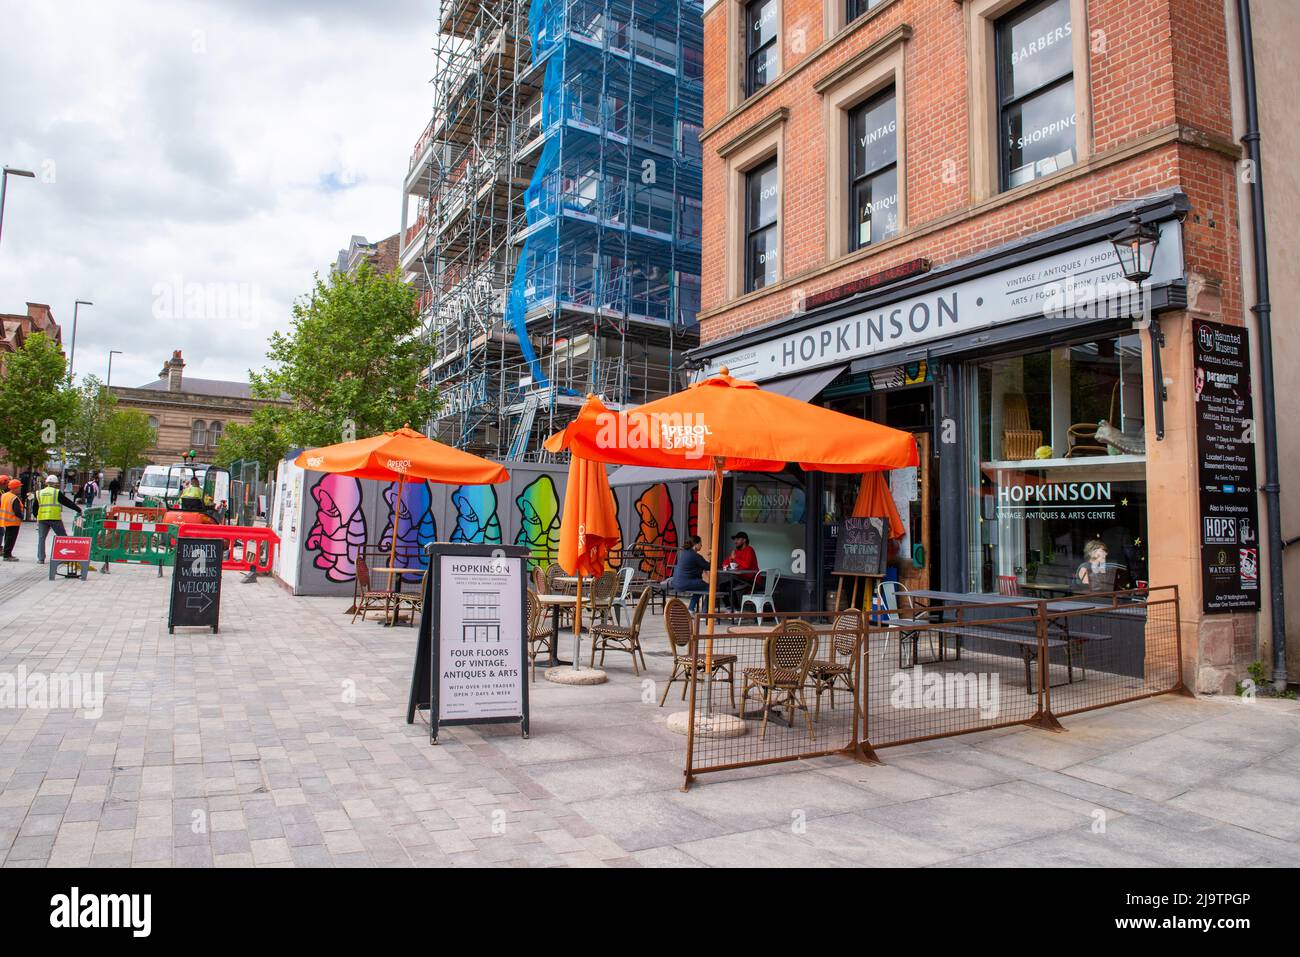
552,214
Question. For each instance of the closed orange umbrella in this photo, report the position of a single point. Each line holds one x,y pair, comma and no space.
402,455
588,530
875,500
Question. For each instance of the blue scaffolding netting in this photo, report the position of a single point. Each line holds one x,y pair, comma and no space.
612,218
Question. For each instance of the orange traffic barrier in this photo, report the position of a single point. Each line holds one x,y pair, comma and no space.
247,547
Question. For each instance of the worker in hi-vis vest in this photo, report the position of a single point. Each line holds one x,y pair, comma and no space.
11,516
49,513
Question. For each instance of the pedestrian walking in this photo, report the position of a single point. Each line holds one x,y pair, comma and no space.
49,513
11,517
114,489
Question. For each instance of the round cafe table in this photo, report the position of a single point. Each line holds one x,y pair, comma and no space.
555,603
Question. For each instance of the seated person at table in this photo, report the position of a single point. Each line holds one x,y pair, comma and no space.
743,558
689,572
1095,574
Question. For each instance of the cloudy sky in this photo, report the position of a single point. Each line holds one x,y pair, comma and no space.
224,150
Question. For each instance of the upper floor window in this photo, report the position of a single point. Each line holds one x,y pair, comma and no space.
873,170
199,433
762,203
215,429
1037,116
760,44
856,8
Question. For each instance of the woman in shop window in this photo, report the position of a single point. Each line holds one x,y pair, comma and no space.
1095,574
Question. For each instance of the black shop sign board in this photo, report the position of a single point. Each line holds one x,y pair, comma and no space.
860,547
196,584
471,656
1225,453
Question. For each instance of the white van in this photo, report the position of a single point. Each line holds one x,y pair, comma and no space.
154,481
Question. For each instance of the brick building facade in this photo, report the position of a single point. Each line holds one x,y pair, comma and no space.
962,160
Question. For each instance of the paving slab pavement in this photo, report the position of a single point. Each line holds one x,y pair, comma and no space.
282,741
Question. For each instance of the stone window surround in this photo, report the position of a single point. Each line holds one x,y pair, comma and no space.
760,143
876,69
737,65
981,17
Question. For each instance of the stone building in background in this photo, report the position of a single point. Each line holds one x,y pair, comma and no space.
188,413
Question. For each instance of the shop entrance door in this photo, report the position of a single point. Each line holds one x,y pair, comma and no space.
913,496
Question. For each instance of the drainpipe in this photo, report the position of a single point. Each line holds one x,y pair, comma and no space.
1263,315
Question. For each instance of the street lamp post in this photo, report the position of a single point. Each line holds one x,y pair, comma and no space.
111,353
1135,248
72,351
4,178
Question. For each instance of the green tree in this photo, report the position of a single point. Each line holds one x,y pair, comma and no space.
262,440
127,436
87,434
36,403
351,362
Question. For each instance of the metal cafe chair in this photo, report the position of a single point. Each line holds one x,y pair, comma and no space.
620,602
911,625
787,655
765,599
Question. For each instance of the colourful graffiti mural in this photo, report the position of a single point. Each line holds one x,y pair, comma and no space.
539,521
657,534
476,515
339,530
416,526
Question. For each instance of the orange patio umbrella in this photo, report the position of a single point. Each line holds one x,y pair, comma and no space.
402,455
875,500
729,424
588,530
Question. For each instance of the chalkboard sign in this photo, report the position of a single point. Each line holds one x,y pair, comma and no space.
860,547
471,660
1226,456
196,584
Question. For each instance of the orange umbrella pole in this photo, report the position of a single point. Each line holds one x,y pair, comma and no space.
577,626
713,578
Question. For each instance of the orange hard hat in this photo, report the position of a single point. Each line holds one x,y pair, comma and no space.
15,485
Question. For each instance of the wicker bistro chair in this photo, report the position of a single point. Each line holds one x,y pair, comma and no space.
627,638
678,624
601,603
787,655
369,598
552,587
840,670
540,632
411,600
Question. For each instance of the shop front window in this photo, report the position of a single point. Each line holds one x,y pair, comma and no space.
1058,471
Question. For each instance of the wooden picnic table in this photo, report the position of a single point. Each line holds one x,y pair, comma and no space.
1007,632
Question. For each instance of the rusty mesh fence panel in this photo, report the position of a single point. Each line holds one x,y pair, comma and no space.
953,670
930,671
1124,647
754,701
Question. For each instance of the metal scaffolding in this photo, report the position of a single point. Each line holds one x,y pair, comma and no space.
557,233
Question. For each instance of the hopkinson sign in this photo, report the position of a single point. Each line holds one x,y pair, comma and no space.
1084,281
